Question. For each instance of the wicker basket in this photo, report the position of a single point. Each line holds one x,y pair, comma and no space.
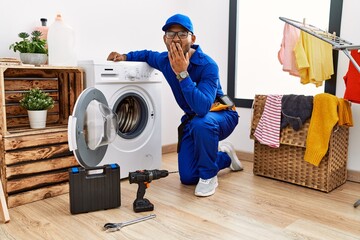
287,162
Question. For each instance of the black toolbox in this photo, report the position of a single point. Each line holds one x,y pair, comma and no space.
93,189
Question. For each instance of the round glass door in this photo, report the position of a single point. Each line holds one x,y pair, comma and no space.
91,128
100,125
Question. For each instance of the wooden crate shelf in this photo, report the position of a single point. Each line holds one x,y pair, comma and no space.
34,163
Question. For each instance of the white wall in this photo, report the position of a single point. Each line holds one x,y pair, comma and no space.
123,25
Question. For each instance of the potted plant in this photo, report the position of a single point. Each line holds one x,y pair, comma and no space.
37,102
32,50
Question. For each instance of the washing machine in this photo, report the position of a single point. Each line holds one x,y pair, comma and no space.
117,118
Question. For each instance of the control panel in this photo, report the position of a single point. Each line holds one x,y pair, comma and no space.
112,72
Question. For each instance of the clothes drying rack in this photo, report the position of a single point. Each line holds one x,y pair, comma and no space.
337,43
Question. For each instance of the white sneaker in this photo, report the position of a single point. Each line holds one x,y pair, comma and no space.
206,187
230,150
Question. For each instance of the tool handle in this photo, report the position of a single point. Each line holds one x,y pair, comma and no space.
141,190
137,220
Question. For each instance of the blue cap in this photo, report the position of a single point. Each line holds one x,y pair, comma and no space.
179,19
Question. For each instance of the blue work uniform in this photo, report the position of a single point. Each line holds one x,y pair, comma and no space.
198,155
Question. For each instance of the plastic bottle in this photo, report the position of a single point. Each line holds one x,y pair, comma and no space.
61,44
43,28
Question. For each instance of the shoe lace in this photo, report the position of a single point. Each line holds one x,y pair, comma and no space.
205,181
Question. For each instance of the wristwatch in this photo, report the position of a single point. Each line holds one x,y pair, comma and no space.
182,75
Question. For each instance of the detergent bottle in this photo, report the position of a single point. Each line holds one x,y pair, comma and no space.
61,44
43,28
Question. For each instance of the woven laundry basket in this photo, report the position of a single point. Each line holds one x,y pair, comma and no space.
287,162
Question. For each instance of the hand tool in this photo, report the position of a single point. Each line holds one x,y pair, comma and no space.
143,179
112,227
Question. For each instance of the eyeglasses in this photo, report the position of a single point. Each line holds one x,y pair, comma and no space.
181,34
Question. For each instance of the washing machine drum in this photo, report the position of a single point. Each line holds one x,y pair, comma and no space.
91,128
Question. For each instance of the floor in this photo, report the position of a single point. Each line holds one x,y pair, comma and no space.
244,207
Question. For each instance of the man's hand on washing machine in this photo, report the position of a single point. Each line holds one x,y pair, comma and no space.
116,57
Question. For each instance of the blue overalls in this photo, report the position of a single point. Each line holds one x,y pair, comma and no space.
198,156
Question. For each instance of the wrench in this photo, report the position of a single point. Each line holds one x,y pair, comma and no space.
112,227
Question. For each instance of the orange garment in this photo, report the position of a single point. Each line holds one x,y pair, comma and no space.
345,114
314,59
215,107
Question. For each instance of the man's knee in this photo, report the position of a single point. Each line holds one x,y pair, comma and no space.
188,179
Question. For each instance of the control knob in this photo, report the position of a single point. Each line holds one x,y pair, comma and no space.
132,75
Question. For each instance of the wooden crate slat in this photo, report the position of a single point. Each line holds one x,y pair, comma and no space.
21,132
2,165
38,153
38,194
76,86
26,84
24,121
72,87
79,85
15,96
31,72
13,111
40,139
64,96
2,104
32,182
40,166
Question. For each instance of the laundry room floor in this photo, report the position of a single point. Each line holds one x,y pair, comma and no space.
244,207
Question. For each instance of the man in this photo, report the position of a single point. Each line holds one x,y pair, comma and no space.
194,80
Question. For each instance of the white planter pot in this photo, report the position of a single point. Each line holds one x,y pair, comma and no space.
33,58
37,118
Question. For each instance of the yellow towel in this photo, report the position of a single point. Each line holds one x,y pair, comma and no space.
323,119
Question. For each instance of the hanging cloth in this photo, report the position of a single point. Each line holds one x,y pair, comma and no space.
286,54
314,59
352,80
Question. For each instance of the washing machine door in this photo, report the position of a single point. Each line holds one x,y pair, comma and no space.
91,128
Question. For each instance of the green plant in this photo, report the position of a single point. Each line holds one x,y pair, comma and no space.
33,45
36,99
